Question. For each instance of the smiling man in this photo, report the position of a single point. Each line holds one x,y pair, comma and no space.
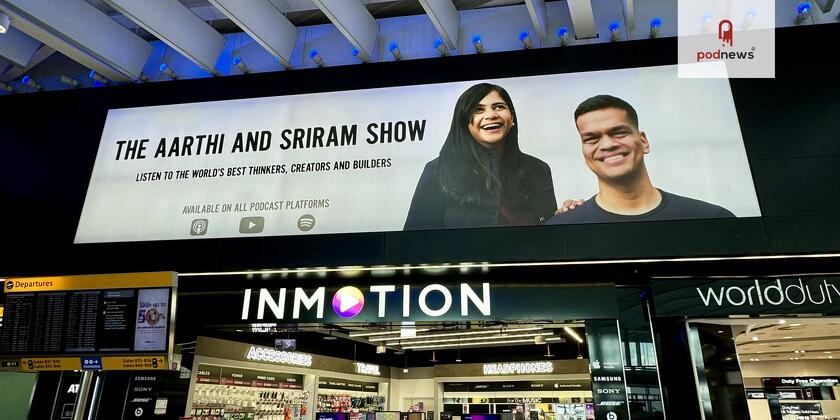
615,149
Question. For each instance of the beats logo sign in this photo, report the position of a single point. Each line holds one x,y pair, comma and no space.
348,302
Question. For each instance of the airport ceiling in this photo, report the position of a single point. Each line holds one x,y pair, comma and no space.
300,12
93,32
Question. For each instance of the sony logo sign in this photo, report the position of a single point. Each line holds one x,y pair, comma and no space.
348,301
775,294
518,368
367,369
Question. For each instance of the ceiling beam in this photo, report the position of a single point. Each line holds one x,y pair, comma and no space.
445,18
583,19
265,24
18,47
536,8
177,26
354,21
82,33
42,54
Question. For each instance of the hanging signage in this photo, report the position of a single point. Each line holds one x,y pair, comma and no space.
723,297
50,363
156,362
89,317
520,368
439,302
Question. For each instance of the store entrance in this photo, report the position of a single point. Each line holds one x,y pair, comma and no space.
394,371
789,367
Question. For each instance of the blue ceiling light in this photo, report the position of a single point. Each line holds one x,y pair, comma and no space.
360,55
67,80
440,46
615,30
476,41
803,13
97,78
168,71
803,8
31,83
237,61
314,56
394,48
563,34
525,38
655,26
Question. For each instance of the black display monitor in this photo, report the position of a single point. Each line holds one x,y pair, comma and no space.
479,409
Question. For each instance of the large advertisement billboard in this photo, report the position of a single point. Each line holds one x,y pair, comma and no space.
636,144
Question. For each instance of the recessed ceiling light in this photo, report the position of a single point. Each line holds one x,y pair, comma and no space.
830,357
782,321
720,331
795,325
755,338
788,337
826,352
759,352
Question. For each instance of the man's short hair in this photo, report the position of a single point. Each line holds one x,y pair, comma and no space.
600,102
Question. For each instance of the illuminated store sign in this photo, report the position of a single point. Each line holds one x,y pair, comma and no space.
523,368
433,300
735,296
263,354
367,369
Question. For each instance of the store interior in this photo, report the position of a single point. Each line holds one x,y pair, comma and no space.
796,358
402,371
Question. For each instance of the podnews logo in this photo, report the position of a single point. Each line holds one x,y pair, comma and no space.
726,35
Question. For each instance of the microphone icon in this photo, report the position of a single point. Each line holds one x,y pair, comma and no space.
198,227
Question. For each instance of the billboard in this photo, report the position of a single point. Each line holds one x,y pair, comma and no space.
636,144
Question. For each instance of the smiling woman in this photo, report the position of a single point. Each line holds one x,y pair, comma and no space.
481,178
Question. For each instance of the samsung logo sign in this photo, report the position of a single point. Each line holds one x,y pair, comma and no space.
523,368
775,294
264,354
